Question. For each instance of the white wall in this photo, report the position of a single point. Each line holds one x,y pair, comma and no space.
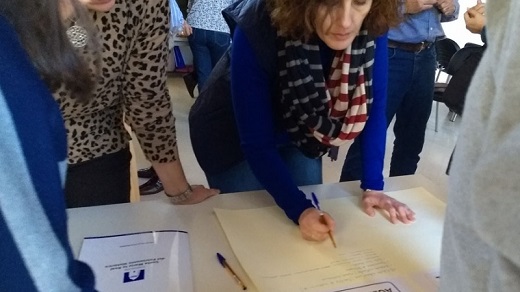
456,29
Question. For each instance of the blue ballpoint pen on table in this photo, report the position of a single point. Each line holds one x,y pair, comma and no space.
322,220
226,266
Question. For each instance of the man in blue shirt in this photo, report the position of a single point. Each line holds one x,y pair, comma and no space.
412,64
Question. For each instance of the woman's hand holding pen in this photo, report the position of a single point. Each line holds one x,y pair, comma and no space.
311,226
397,211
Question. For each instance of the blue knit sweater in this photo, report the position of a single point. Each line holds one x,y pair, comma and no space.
35,254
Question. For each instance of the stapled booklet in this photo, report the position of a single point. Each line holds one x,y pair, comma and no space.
144,261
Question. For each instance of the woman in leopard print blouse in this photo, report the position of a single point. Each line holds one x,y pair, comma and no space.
131,85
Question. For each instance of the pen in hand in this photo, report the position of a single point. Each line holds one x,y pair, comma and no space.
226,266
322,220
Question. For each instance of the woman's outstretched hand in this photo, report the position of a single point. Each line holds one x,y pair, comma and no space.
396,210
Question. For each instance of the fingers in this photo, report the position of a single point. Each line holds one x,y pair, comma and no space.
466,18
313,226
314,236
397,211
328,221
368,208
186,30
447,7
471,13
480,9
392,214
405,214
468,14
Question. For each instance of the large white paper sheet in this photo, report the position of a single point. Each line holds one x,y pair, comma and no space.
372,253
147,261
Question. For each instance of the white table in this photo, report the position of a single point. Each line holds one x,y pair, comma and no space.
206,235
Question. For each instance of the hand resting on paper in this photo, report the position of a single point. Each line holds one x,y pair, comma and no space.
311,226
396,210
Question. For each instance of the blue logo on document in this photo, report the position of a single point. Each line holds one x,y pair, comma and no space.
134,275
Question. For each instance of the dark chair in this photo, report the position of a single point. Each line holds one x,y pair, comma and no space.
460,70
445,49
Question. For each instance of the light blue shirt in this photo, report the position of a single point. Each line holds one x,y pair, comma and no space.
422,26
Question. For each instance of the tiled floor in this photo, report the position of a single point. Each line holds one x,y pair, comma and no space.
434,158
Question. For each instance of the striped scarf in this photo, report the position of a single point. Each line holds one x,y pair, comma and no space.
318,114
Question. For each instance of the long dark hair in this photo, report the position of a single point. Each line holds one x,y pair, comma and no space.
41,29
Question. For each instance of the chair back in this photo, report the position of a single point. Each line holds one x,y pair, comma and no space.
445,49
461,56
462,68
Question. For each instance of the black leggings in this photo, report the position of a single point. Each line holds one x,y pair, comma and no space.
100,181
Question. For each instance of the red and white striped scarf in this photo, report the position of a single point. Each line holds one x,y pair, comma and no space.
319,114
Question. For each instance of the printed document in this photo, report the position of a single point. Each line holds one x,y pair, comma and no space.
146,261
372,254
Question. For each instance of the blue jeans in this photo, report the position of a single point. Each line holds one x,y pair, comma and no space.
207,47
411,80
240,178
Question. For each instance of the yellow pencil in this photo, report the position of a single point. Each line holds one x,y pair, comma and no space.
322,220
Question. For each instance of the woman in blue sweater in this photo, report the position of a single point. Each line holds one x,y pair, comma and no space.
305,79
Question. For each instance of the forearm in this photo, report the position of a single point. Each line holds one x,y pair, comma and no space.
373,137
147,103
172,176
255,121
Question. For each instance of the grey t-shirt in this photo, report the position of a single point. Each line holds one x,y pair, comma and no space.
481,243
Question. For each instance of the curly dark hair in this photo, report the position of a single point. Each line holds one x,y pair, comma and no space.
296,18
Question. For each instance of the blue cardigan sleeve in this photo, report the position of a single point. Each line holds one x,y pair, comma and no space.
33,152
251,91
373,137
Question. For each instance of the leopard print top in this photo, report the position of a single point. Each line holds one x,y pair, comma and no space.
132,84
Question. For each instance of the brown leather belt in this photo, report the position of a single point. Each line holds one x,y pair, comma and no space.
410,47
